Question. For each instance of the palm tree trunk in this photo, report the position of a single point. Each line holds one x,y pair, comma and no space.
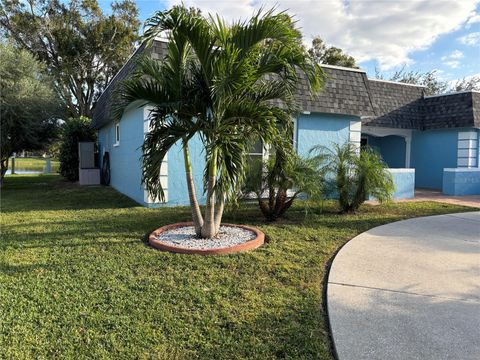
219,213
208,228
196,213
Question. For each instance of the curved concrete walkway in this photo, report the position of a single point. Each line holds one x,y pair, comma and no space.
408,290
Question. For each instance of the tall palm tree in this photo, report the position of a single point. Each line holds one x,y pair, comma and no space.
235,84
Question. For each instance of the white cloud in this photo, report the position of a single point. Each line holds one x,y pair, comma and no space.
475,18
386,31
452,59
471,39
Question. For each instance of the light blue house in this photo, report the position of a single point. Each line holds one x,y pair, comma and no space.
427,141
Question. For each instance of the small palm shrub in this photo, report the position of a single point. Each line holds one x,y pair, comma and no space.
74,131
277,182
354,177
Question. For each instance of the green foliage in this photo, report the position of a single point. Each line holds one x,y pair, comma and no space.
330,55
29,108
82,47
77,281
74,131
278,181
430,79
355,177
228,82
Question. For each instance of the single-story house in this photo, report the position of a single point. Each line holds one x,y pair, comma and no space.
427,141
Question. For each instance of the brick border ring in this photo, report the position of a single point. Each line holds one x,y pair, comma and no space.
248,245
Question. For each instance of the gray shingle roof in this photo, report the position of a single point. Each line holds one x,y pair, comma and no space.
452,110
350,92
395,105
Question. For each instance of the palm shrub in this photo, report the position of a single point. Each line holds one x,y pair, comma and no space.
74,131
228,84
353,176
278,181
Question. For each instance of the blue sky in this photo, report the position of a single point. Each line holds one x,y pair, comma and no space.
422,35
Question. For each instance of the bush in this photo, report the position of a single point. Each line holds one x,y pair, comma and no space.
355,177
74,131
277,182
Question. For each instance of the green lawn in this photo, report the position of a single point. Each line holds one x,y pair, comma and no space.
33,164
78,281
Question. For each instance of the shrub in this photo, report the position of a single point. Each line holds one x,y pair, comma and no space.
277,182
355,177
74,131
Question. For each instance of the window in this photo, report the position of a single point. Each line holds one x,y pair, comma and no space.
256,153
117,135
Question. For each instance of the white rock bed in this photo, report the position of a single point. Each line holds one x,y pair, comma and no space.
184,237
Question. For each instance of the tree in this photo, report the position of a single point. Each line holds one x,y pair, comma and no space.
74,131
29,107
82,47
434,85
355,177
234,80
330,55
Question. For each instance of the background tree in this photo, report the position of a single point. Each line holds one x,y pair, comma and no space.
82,47
29,108
430,79
330,55
73,131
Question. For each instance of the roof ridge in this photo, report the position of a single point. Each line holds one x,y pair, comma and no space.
398,83
342,68
453,93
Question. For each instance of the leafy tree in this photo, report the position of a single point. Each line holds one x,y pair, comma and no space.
74,131
355,177
82,47
29,109
330,55
234,80
430,79
277,182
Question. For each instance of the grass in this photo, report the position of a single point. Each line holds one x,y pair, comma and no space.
77,279
33,164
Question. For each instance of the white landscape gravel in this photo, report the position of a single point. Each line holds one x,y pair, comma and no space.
184,237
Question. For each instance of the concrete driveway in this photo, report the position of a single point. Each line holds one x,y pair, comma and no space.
408,290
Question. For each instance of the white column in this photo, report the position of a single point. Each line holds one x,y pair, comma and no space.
408,150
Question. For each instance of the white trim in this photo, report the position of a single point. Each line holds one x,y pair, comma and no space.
467,149
401,170
164,166
342,68
116,130
461,169
295,135
452,93
397,82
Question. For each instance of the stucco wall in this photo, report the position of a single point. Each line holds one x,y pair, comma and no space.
177,184
125,162
458,181
321,129
432,151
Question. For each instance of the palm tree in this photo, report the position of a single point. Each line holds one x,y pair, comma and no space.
234,85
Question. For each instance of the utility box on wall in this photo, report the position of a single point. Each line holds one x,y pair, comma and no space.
88,173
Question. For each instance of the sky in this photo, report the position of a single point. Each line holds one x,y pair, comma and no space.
420,35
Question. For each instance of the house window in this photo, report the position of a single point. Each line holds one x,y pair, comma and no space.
117,135
256,153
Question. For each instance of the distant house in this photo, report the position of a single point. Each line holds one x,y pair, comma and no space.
427,141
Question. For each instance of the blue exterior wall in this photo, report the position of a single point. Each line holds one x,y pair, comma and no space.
125,159
391,148
432,151
321,129
461,181
177,183
404,182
